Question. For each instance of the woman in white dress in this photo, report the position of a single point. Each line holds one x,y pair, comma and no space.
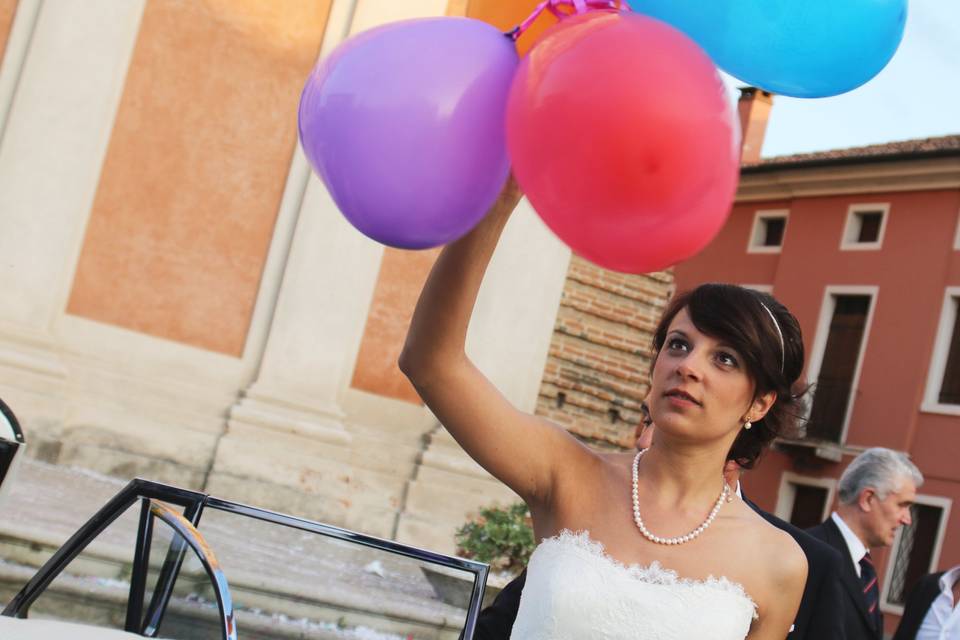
643,546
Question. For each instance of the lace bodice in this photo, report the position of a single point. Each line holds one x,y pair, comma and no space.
575,591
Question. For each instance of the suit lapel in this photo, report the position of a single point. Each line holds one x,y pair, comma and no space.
848,576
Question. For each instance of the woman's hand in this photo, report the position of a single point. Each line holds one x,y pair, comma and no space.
509,196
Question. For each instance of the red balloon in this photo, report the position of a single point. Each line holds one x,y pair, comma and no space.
622,137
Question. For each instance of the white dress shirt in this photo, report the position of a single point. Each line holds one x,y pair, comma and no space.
854,544
942,621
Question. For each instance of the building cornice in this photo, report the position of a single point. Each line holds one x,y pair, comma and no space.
828,178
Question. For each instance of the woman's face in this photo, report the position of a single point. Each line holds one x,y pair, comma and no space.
700,387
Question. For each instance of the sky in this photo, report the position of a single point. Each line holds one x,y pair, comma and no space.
917,95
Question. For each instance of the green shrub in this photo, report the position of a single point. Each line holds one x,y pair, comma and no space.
501,537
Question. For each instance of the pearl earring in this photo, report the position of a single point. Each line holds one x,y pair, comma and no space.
747,425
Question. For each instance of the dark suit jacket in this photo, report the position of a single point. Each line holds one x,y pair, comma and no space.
918,603
821,610
820,616
496,621
858,622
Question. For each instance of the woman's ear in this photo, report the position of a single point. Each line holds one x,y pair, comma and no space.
761,406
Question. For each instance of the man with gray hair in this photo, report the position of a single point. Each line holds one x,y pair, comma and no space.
876,492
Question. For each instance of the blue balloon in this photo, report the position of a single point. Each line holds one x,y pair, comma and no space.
799,48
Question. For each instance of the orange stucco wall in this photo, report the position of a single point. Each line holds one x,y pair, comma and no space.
402,273
195,168
7,9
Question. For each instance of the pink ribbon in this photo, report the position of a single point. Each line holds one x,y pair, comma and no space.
578,6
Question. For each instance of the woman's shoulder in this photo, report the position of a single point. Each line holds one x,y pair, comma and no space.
771,547
776,575
790,555
779,553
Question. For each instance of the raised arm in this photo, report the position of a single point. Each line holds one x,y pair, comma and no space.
519,449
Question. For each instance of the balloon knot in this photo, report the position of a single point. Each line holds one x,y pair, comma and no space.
564,9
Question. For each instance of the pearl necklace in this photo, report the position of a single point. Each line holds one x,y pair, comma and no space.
724,497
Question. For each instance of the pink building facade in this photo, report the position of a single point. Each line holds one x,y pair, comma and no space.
863,245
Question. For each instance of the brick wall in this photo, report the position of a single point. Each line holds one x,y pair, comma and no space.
597,370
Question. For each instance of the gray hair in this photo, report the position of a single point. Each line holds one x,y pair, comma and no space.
882,470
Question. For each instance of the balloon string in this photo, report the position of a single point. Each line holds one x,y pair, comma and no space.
553,6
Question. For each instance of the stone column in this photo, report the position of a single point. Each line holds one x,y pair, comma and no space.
327,280
288,442
291,415
60,85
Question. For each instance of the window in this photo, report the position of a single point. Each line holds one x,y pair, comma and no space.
950,386
865,226
869,226
768,231
916,550
773,229
804,501
807,506
943,381
838,353
956,237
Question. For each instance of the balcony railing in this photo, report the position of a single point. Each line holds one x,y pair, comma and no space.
831,396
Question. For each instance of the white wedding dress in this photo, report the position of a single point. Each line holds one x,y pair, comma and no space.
575,591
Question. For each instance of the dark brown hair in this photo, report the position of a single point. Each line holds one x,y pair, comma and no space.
736,315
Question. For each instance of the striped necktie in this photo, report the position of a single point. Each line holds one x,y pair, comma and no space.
871,588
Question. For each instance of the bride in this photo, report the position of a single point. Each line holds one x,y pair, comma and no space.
641,546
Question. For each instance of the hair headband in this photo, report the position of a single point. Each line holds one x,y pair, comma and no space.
776,325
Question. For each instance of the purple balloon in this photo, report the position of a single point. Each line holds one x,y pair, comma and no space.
405,124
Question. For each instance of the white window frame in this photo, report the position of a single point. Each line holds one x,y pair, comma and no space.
933,501
827,307
938,360
849,244
787,493
753,245
956,237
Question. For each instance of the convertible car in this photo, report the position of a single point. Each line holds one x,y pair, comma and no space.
158,561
